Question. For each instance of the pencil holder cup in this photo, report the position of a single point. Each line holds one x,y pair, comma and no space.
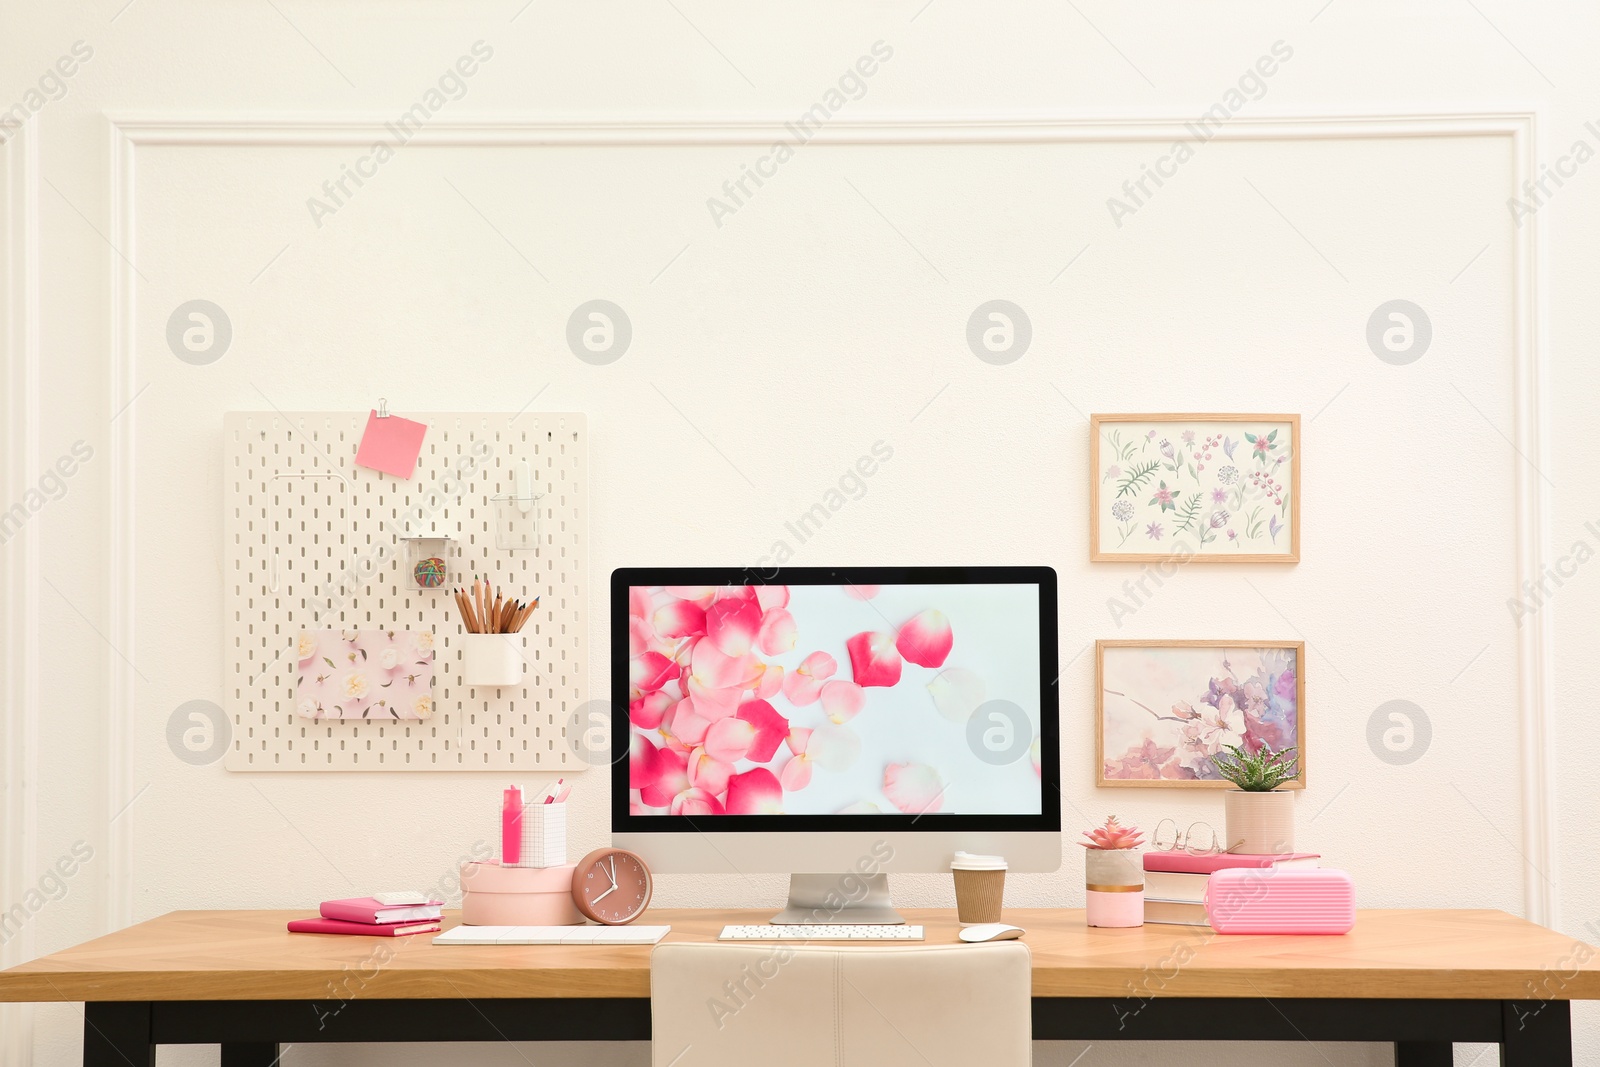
491,660
544,836
516,522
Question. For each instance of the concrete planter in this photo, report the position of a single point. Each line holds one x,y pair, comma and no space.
1259,824
1113,887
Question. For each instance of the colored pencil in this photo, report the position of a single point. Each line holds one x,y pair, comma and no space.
465,607
487,610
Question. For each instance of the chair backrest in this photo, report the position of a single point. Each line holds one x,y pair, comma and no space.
773,1005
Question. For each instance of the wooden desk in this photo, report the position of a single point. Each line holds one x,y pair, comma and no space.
1420,979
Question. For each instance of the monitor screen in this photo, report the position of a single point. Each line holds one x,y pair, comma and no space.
849,698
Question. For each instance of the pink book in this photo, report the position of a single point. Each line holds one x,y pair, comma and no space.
367,910
335,926
1183,863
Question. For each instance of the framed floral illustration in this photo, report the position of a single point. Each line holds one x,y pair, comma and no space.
1163,708
1196,488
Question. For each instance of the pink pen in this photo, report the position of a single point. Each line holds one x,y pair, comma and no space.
561,797
511,826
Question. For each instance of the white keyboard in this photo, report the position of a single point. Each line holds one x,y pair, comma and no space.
820,932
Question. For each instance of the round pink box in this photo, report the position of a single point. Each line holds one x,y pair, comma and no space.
492,895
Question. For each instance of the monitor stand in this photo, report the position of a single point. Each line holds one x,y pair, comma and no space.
837,899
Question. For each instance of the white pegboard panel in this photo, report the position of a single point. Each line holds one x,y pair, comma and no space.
332,528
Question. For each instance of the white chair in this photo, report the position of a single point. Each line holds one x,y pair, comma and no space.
775,1005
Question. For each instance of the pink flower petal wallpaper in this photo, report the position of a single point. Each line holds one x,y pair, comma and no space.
750,700
364,674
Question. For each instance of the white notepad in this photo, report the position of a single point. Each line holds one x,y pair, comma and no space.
552,935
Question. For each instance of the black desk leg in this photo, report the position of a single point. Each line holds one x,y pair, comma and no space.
117,1034
1537,1033
1423,1054
250,1054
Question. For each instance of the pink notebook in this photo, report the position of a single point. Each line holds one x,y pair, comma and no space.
334,926
367,910
1184,863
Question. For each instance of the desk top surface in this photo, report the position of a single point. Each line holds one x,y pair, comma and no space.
249,955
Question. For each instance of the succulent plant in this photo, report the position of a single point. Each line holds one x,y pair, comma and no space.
1113,835
1258,772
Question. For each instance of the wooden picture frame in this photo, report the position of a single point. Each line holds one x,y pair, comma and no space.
1168,728
1207,485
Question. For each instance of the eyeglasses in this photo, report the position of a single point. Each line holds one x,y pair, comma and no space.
1198,840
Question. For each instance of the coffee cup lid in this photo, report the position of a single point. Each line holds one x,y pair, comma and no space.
969,861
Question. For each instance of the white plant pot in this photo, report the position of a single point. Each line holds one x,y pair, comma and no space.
491,660
1259,824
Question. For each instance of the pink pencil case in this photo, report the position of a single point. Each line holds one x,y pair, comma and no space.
1281,900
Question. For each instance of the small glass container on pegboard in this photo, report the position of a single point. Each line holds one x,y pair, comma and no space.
428,561
516,521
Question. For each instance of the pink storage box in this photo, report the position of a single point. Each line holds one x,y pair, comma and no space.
492,895
1281,900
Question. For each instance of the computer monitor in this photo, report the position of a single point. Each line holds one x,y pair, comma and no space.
835,724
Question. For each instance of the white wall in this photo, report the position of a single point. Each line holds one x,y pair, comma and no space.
825,314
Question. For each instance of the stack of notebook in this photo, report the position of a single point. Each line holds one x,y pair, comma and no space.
1175,882
364,915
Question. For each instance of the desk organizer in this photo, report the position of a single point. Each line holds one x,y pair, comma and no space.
491,660
544,836
516,521
321,549
492,895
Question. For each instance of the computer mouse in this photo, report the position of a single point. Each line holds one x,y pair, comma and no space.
991,932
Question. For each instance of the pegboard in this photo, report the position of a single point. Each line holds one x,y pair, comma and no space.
313,542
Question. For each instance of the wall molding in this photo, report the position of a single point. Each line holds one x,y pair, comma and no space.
1535,643
131,131
19,558
121,563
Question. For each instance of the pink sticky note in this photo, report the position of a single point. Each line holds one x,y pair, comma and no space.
391,445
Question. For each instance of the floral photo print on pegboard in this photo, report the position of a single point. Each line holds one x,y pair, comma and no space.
1202,488
364,674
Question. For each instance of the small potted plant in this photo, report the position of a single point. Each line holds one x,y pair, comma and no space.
1113,875
1260,821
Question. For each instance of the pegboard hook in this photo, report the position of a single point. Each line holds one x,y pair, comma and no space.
383,407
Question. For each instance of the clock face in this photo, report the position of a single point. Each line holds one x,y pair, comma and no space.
611,886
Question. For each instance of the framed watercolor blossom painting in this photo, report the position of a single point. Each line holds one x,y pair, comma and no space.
1196,488
1163,708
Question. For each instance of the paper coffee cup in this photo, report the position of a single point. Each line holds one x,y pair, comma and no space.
980,887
